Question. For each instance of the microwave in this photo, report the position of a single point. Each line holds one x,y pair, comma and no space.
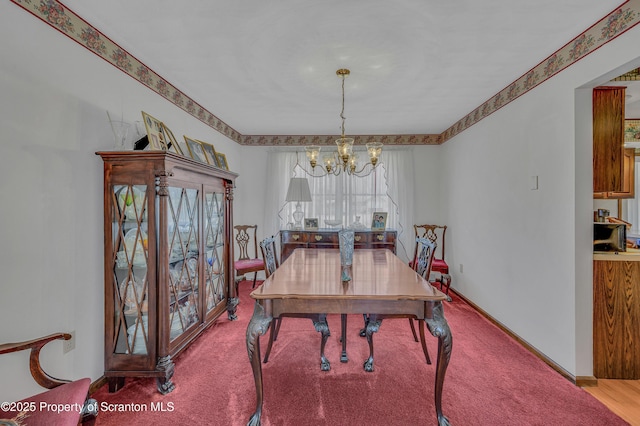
609,237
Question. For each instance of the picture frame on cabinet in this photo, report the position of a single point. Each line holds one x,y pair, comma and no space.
311,223
632,130
195,150
210,152
222,161
155,133
379,221
172,144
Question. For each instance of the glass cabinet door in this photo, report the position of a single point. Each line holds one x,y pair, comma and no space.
214,248
130,261
184,255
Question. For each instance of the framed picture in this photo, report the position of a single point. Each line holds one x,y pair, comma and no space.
222,161
632,130
195,150
210,152
379,221
172,144
311,224
155,133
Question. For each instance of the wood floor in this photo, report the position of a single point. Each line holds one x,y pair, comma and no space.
621,396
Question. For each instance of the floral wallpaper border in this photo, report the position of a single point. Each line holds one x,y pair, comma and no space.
55,14
67,22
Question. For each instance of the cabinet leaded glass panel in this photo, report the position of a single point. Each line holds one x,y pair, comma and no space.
214,248
182,232
130,258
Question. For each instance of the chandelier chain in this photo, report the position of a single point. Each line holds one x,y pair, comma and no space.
342,112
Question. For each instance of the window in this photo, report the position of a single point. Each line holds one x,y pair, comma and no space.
389,189
346,198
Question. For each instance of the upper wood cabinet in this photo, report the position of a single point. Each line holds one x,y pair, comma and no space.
628,178
608,139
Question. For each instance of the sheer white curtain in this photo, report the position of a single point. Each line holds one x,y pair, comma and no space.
388,189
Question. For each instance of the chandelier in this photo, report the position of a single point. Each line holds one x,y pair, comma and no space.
344,159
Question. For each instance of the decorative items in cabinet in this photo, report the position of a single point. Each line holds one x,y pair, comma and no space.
167,226
328,238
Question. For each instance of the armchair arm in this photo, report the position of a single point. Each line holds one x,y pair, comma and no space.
39,375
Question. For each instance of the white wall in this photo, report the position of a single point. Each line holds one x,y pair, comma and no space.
55,95
527,253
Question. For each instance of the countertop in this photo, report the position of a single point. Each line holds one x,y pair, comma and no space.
632,254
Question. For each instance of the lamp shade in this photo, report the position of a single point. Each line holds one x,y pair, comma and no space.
298,190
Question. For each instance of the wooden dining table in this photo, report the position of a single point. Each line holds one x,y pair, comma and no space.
308,284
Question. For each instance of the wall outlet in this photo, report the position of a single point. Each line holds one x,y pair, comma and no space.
69,345
461,268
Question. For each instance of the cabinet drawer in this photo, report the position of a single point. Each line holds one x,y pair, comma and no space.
382,237
294,237
323,238
361,238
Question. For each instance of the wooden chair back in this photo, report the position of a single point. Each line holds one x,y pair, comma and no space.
423,257
247,241
435,234
268,248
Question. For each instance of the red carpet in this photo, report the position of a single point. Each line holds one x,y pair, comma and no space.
491,380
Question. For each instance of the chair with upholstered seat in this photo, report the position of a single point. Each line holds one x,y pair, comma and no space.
59,393
422,263
436,234
248,260
268,248
270,258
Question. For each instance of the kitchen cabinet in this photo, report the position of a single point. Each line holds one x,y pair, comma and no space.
167,260
628,178
616,316
608,139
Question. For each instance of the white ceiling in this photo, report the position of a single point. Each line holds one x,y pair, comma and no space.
268,67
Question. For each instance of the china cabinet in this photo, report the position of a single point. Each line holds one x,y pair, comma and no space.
167,260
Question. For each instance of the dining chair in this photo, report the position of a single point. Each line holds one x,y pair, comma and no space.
421,263
248,260
270,258
435,233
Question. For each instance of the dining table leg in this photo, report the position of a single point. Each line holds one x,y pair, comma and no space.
258,325
343,338
321,325
439,328
373,325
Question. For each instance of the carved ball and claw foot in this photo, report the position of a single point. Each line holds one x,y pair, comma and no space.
232,304
320,323
164,383
373,325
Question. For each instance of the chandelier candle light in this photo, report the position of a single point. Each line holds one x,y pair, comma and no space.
298,191
345,159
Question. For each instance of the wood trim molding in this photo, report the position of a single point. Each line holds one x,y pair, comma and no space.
586,381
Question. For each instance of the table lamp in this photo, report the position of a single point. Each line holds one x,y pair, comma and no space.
298,191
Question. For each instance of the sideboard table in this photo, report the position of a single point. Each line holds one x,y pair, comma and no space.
328,238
